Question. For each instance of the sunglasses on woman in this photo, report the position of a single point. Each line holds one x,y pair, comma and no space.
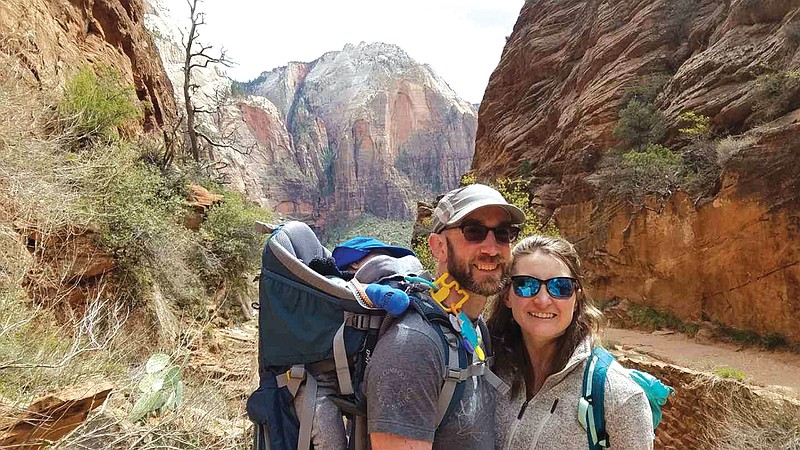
558,287
475,232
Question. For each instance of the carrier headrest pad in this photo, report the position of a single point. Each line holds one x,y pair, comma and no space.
300,241
385,266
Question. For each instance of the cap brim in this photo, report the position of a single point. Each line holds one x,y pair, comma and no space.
344,256
516,214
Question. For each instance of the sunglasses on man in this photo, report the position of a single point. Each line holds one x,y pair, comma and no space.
560,288
475,232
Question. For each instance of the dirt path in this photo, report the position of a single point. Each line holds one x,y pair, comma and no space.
231,359
779,371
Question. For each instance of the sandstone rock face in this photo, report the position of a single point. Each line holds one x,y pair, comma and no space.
729,255
362,130
371,128
50,40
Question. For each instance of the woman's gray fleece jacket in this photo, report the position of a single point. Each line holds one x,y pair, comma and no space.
550,419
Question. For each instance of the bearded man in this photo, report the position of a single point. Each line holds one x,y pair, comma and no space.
473,228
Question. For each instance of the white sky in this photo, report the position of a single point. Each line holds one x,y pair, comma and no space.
461,39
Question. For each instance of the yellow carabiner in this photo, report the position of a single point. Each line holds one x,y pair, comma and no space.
443,291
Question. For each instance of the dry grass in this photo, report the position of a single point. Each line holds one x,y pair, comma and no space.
47,185
758,426
728,147
204,421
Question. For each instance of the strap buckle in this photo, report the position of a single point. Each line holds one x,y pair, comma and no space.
363,322
296,372
454,374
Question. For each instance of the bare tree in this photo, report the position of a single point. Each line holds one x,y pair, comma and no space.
227,126
197,56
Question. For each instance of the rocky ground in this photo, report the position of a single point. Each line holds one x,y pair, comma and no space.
228,356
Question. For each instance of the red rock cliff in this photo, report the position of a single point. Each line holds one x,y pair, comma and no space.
51,39
730,254
372,130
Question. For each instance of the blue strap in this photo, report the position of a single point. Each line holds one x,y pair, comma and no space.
594,393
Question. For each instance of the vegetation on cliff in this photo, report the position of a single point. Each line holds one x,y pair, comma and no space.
99,269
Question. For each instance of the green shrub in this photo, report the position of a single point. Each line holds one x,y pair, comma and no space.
640,124
729,146
237,89
467,179
774,340
775,95
679,21
738,336
654,319
230,241
730,373
700,169
656,170
695,125
515,191
328,160
391,231
769,341
423,251
96,104
140,214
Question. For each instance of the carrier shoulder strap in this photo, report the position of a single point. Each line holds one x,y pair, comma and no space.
458,363
591,405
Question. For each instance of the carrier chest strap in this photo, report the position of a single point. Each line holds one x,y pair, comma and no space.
496,382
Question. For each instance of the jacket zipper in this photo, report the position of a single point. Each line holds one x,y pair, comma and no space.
542,424
516,424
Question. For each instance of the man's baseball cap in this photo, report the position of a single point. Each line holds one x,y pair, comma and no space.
459,203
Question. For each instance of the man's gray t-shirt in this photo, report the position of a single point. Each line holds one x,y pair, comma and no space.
403,382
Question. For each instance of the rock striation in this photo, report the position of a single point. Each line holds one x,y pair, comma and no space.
728,254
371,128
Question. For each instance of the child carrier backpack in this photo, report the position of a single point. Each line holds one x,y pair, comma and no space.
591,406
309,324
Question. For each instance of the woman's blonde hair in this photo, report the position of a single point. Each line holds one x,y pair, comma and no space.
511,358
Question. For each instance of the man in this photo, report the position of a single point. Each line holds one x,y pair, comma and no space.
473,228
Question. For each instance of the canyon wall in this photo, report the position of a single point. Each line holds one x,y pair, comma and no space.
727,253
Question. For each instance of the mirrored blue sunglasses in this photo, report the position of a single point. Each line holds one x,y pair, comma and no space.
558,287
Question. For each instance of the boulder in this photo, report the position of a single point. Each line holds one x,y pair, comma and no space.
51,417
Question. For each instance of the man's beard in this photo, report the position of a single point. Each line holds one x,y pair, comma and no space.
461,272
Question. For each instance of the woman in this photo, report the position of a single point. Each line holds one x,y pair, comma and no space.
543,327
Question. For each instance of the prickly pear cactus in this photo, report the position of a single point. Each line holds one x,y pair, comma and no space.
160,388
